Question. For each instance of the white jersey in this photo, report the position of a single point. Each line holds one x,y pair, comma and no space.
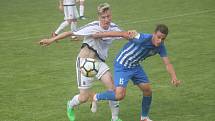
101,46
68,2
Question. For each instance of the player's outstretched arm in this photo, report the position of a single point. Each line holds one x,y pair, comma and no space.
124,34
47,42
170,69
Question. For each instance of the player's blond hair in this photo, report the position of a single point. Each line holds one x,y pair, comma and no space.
102,8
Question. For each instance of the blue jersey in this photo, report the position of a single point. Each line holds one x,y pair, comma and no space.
138,49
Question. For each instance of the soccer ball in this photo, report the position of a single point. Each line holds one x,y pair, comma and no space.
89,67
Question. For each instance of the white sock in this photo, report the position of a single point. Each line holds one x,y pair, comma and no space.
81,10
74,101
114,106
73,26
145,117
61,27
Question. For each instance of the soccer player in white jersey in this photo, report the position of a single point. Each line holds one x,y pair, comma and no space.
95,49
81,9
70,16
127,65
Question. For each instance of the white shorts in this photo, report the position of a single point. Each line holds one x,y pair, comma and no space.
86,82
70,12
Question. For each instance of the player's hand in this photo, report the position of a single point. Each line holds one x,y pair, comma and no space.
132,34
175,82
45,42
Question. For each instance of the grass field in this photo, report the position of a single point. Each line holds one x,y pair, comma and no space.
36,82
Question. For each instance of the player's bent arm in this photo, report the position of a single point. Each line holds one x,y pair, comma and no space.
170,69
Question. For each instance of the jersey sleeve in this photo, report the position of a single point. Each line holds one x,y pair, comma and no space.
162,50
86,30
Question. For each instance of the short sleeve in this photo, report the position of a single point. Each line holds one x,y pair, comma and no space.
162,50
84,31
141,38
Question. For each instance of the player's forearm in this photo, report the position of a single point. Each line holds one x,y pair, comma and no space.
111,34
61,36
170,69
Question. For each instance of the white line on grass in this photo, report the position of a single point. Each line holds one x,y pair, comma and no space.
120,23
167,17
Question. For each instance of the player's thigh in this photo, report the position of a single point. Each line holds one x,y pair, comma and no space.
105,75
107,80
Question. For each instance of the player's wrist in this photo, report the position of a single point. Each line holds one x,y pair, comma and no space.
53,40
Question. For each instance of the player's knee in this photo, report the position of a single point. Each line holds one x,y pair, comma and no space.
73,20
120,96
83,98
147,92
69,21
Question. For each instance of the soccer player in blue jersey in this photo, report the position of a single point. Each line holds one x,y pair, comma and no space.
127,65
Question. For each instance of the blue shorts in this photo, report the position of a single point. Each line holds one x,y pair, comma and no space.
122,75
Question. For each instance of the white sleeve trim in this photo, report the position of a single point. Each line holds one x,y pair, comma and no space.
137,36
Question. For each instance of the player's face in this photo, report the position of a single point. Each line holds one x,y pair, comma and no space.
158,38
105,19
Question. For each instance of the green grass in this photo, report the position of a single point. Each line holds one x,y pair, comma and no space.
36,82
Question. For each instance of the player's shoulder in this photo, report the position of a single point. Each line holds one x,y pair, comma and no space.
113,25
93,23
145,36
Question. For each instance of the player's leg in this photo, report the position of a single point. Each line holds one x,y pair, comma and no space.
114,105
74,25
73,15
105,76
81,9
78,99
146,100
121,78
84,85
65,23
141,80
120,81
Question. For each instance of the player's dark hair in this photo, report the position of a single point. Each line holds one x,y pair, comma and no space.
162,28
